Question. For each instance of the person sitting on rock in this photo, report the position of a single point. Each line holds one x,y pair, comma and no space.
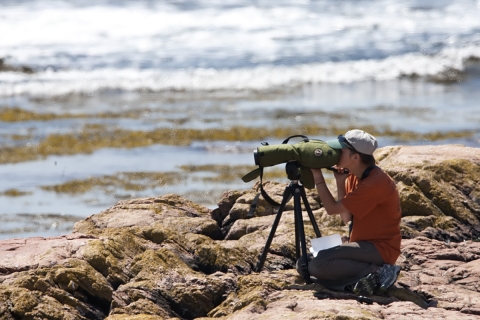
367,199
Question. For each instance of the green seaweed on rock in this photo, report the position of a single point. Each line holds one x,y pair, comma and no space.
130,181
14,193
97,136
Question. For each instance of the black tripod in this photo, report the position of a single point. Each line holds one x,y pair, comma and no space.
298,192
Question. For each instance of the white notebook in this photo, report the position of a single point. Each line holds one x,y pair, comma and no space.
323,243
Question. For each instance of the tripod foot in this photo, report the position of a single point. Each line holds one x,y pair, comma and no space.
258,267
302,269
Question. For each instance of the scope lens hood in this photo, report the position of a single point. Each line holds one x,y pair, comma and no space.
255,157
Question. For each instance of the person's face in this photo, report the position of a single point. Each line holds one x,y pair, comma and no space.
346,158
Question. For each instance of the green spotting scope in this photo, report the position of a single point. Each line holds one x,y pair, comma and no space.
309,153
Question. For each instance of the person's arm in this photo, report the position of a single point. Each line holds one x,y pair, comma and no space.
341,178
331,205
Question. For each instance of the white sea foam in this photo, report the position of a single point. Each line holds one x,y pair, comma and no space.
85,47
64,82
212,34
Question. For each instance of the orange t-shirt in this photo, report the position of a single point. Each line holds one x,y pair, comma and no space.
375,206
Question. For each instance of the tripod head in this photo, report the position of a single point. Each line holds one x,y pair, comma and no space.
292,168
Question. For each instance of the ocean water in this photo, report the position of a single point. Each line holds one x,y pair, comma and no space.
410,66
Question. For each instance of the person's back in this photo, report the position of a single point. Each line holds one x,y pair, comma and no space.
375,206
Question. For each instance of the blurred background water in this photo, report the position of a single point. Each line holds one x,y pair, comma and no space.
395,66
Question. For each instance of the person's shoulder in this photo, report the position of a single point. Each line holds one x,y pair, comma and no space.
378,171
379,175
383,180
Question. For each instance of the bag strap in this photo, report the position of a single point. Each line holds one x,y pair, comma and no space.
264,193
253,206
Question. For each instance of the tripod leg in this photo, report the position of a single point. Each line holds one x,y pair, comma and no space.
286,197
301,235
310,213
297,238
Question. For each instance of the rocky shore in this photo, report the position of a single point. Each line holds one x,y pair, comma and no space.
169,258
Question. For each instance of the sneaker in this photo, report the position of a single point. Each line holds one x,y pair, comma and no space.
387,275
367,285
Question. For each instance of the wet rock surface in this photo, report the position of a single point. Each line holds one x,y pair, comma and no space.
4,67
169,258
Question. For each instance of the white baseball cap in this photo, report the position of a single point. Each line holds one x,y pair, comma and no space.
357,140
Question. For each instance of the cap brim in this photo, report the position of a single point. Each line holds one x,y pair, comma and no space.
335,144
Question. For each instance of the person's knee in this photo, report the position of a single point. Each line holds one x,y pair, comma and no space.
298,265
317,267
301,265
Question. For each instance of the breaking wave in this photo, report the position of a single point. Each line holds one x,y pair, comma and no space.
66,82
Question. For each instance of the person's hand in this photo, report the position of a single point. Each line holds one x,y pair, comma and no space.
341,174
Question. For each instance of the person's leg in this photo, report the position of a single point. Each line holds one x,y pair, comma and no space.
345,264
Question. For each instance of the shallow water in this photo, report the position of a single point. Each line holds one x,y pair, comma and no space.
30,176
